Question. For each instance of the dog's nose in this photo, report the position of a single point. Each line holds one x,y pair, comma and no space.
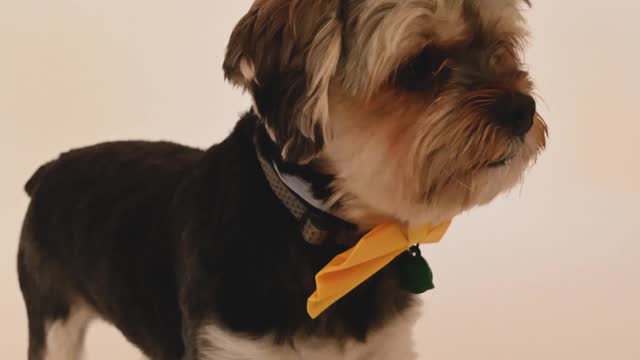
515,112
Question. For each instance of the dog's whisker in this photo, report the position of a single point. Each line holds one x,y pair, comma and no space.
468,187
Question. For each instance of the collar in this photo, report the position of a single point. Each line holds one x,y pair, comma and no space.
295,193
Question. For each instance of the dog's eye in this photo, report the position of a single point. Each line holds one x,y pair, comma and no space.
502,58
421,70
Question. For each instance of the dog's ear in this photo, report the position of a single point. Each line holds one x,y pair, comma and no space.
285,53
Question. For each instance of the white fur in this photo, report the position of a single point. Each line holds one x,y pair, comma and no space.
65,338
394,341
248,71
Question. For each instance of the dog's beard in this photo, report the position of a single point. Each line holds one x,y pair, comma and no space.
398,159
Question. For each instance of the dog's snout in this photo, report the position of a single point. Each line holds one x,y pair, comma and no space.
515,112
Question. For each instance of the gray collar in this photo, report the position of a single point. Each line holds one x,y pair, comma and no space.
316,223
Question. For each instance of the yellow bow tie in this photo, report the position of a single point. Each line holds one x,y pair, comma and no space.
373,252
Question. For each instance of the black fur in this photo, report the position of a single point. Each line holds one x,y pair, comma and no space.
160,239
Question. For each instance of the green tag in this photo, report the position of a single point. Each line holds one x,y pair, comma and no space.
414,271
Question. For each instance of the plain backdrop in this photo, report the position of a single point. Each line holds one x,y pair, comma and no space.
550,271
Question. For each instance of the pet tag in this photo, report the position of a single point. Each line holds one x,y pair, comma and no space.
415,273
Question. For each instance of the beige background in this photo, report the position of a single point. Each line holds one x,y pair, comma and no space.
551,271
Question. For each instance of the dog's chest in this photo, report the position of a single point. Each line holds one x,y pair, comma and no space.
394,341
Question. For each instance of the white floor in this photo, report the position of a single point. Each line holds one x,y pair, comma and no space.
551,271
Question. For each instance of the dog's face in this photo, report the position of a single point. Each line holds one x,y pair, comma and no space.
421,109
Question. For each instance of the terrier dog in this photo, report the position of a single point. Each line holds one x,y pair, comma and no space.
365,112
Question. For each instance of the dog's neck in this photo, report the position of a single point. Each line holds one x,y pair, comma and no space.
303,191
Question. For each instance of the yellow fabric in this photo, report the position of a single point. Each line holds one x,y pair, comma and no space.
373,252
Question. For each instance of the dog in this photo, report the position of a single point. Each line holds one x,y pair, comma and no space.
365,112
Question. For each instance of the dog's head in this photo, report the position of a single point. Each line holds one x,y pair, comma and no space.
420,109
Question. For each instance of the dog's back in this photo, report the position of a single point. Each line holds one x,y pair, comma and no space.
34,180
94,216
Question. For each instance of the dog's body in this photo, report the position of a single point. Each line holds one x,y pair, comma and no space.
171,243
397,111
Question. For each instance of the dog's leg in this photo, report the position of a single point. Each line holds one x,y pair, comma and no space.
37,336
56,328
65,336
36,322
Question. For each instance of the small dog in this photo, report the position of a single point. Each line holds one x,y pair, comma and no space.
365,112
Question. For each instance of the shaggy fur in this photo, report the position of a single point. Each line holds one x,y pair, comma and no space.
404,111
